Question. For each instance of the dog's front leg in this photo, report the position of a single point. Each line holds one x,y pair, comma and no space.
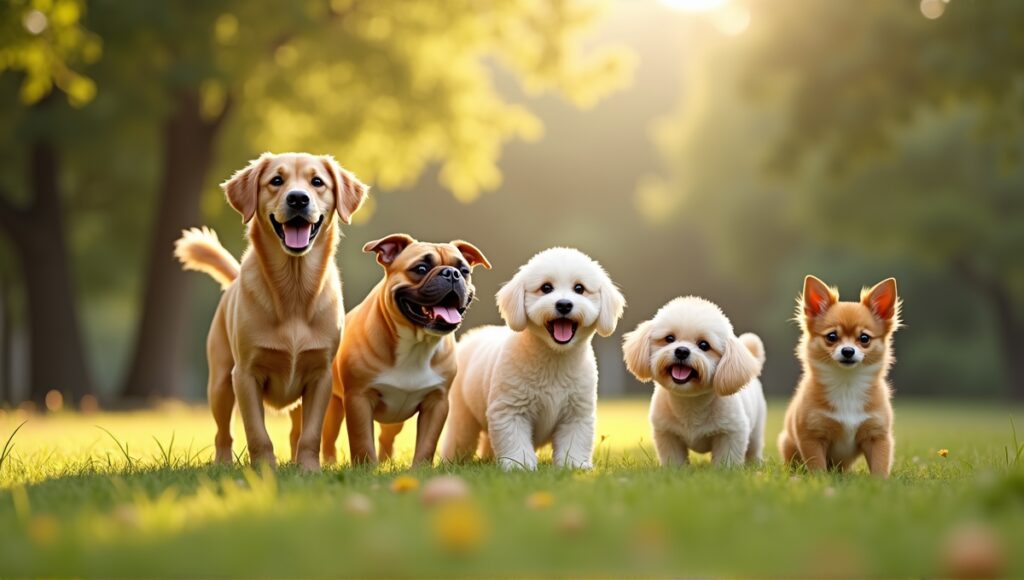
878,452
433,413
573,444
512,439
359,412
813,451
728,449
250,406
314,407
671,448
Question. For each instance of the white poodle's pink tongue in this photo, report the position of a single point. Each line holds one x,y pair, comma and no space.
563,330
681,372
447,313
297,237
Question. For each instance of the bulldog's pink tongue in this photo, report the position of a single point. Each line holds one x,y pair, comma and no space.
297,237
563,330
448,314
681,372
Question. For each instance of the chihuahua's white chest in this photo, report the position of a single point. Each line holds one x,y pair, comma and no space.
404,386
847,392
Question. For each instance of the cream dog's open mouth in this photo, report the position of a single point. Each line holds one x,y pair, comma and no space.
681,374
562,330
296,233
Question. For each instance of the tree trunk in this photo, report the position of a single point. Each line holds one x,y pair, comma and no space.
155,369
56,353
6,334
1011,339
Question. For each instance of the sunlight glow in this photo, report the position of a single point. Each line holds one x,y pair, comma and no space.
695,5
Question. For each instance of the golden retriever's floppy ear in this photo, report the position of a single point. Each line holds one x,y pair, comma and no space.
473,255
612,305
738,365
636,351
349,192
389,247
244,186
817,297
882,300
512,302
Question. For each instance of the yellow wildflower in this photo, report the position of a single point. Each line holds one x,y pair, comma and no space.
539,500
404,484
459,526
943,452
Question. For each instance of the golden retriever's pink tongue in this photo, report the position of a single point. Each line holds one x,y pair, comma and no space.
297,237
681,372
563,330
448,314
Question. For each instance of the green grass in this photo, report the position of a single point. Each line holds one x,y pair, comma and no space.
133,495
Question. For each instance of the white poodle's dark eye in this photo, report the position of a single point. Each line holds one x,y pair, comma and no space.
276,180
317,182
864,338
579,289
670,338
703,345
547,288
832,337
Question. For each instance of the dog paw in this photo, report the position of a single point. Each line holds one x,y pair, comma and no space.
508,464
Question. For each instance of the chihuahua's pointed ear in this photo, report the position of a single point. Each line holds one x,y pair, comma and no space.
882,299
512,303
349,192
817,297
243,188
612,305
636,351
472,255
738,365
388,248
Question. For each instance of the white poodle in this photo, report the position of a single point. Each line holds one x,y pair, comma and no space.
535,381
708,396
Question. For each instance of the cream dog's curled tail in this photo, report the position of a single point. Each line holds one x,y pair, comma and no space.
199,249
754,345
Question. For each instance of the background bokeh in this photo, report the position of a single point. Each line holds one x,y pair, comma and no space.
718,147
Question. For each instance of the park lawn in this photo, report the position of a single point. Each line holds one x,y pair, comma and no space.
78,500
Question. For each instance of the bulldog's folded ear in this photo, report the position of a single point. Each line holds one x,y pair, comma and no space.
473,255
244,186
388,248
349,192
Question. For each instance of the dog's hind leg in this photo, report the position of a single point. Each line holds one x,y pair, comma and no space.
293,436
332,428
388,432
219,390
463,433
788,450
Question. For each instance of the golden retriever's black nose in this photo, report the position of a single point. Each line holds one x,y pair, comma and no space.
848,352
297,199
563,306
682,353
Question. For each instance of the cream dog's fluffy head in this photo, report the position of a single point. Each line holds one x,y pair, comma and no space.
562,295
689,348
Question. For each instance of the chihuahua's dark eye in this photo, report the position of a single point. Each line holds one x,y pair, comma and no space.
864,338
276,180
317,182
547,288
422,269
579,289
704,346
832,337
670,338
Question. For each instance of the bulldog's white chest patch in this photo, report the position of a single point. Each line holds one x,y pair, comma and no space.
403,387
847,391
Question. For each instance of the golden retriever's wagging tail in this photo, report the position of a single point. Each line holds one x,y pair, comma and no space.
199,249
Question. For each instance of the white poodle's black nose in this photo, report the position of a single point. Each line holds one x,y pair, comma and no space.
297,199
682,353
848,352
563,306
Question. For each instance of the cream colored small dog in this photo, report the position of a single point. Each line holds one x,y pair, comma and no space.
708,396
535,381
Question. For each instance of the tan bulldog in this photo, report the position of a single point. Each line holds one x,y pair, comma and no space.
397,354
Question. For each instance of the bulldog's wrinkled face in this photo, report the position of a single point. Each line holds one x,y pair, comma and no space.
429,286
294,195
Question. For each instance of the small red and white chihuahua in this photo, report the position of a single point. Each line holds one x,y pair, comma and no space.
841,407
